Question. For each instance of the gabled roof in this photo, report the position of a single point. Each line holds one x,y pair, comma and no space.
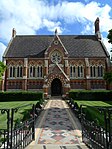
76,45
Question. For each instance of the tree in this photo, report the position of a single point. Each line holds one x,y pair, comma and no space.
108,77
109,36
2,69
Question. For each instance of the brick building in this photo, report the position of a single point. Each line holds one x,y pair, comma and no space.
55,63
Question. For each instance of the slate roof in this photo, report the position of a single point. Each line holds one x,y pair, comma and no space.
76,45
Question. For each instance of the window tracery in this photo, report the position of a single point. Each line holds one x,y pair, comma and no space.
76,71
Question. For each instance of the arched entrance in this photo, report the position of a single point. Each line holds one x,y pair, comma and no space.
56,87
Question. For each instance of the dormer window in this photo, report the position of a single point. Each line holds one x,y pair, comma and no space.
56,57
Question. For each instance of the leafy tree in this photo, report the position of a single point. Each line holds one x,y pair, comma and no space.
108,77
2,69
109,36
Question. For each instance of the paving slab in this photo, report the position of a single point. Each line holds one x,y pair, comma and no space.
57,128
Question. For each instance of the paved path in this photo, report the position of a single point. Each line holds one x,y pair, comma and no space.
57,128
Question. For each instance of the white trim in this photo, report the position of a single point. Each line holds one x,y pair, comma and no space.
66,52
6,50
62,72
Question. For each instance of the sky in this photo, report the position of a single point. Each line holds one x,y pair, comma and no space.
42,17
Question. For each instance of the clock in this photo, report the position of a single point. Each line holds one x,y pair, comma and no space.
56,57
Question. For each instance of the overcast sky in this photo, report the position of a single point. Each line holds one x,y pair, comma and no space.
44,16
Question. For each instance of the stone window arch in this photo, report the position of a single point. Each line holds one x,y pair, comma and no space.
35,71
76,71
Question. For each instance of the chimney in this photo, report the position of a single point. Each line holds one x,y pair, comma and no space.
13,32
97,25
97,28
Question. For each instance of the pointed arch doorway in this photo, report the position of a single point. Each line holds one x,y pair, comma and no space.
56,87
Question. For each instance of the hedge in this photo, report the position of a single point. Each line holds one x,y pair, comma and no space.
21,96
96,95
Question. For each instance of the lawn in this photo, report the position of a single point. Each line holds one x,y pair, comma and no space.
92,103
92,113
18,115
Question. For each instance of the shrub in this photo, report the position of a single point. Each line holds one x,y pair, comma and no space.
96,95
21,96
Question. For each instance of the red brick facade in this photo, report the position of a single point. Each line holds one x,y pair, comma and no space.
57,71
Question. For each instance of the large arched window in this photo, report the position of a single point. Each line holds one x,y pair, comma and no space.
35,71
96,71
76,71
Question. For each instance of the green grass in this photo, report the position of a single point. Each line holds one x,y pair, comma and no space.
23,111
92,103
92,113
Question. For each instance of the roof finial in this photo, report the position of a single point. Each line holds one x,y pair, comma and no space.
97,28
56,31
13,32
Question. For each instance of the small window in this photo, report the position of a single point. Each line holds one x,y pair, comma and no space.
32,71
80,71
92,71
39,71
12,71
72,71
19,71
100,71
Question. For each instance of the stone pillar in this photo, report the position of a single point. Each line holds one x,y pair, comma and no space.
46,67
67,87
87,74
25,73
66,67
45,89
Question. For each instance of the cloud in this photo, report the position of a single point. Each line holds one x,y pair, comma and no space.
2,49
108,45
28,16
51,26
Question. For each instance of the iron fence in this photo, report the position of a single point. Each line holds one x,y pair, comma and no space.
94,136
19,136
97,137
